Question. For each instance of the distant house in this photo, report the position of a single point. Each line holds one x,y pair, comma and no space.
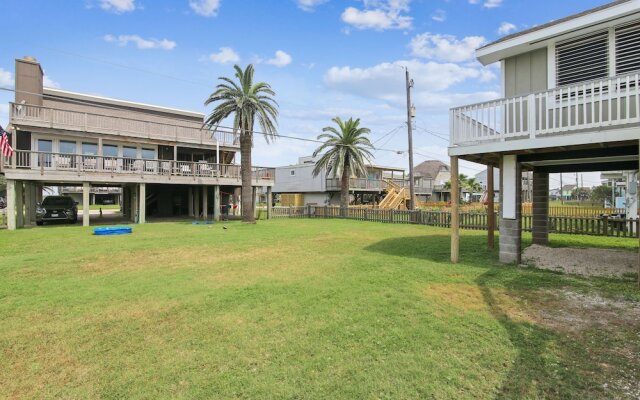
567,191
527,183
325,190
439,174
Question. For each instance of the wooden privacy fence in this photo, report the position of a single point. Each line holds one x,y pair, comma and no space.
566,211
599,226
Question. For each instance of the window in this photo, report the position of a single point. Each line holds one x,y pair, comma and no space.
67,147
129,152
582,59
148,154
90,149
292,172
45,145
110,150
628,48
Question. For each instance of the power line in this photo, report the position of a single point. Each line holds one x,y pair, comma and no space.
433,133
125,66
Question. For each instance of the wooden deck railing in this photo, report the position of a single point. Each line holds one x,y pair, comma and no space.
46,117
61,162
595,104
598,226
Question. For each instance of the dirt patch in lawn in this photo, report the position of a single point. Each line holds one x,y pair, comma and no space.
587,262
608,328
470,298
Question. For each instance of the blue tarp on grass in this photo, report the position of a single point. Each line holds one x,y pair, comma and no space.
113,230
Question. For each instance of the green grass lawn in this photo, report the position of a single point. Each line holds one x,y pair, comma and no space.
295,309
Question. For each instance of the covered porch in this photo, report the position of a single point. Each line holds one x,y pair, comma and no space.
591,157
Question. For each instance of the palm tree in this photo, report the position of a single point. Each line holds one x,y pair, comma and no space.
346,152
247,101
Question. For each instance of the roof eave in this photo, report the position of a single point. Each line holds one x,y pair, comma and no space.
524,42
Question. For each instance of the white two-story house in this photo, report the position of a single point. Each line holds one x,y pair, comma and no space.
571,103
165,161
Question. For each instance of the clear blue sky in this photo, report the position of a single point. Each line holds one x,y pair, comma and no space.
324,58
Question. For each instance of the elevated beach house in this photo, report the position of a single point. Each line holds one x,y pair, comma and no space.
298,179
164,160
571,103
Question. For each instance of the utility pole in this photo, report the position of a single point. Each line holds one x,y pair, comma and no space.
561,190
410,115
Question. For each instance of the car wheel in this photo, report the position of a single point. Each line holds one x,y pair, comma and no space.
39,223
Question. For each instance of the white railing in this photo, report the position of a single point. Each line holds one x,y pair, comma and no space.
610,102
87,122
74,163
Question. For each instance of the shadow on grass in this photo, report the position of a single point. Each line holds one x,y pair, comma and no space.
547,364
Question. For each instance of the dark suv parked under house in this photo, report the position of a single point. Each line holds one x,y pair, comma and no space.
57,208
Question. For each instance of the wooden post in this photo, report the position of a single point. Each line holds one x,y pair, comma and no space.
455,212
190,201
217,206
196,198
490,208
11,204
19,204
142,217
86,190
205,202
269,202
254,200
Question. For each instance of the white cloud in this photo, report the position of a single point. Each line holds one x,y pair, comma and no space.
506,28
492,3
224,56
487,3
144,44
6,78
309,5
118,6
439,15
445,47
281,59
385,81
50,83
4,114
379,15
206,8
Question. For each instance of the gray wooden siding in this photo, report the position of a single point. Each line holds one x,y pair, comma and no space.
302,181
526,73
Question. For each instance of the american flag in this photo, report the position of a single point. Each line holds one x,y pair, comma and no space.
7,151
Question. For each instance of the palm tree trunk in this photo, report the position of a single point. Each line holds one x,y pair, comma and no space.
248,213
344,191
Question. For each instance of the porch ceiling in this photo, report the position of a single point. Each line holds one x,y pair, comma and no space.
573,158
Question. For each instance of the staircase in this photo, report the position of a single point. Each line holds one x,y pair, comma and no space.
396,197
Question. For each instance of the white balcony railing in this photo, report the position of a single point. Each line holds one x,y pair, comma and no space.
45,163
46,117
602,103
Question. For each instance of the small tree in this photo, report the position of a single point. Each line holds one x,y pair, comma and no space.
601,195
346,153
581,194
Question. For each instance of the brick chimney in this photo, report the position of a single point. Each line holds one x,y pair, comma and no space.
29,81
